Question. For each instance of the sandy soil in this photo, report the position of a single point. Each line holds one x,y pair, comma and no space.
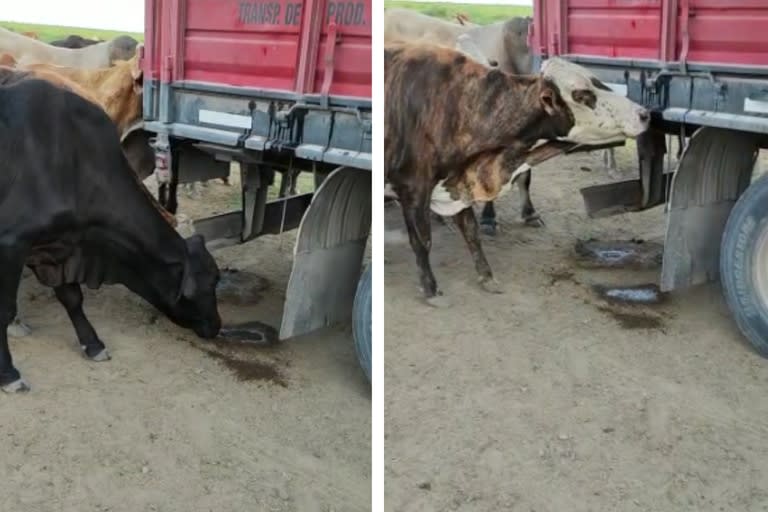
547,399
173,425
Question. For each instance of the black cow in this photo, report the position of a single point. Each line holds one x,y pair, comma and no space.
74,42
73,210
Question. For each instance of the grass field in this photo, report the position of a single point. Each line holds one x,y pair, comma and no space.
50,33
478,13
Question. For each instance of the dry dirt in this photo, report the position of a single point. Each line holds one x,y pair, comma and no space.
174,425
545,398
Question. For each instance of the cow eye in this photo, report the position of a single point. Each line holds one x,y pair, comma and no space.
585,97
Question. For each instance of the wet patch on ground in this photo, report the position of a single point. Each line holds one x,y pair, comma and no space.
632,320
251,351
638,294
248,333
630,254
251,370
240,287
561,275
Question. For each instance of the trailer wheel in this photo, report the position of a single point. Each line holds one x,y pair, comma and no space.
361,322
744,264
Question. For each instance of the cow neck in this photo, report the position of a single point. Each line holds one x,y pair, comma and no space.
143,235
511,103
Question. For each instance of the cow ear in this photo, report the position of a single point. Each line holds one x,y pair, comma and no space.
188,286
137,74
547,100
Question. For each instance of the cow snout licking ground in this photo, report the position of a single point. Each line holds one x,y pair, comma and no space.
76,215
454,133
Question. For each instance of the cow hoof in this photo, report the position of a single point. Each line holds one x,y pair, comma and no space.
17,386
491,285
100,357
534,221
438,301
18,329
488,229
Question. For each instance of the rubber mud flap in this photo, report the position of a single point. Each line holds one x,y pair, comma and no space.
739,257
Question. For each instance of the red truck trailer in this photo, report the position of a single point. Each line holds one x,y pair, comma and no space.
281,87
701,67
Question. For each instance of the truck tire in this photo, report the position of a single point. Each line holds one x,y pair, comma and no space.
361,322
744,264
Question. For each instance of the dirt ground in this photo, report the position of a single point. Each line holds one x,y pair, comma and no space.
545,398
170,424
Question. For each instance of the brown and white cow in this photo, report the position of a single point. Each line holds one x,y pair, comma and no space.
117,89
503,45
457,132
454,132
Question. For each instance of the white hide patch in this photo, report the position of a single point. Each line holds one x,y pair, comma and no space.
614,117
520,170
443,204
388,192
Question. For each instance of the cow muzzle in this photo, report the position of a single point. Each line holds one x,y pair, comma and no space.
209,330
639,123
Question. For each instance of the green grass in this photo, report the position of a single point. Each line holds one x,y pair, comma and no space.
50,33
478,13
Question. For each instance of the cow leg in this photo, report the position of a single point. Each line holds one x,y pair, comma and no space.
488,219
467,223
71,297
162,195
172,204
12,263
528,212
420,235
609,160
194,190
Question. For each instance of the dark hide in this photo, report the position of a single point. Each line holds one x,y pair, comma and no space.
451,119
73,211
140,155
122,48
518,58
74,42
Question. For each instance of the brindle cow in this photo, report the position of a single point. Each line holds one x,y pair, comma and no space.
459,129
457,132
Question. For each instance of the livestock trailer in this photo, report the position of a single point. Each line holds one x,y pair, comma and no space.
280,87
701,67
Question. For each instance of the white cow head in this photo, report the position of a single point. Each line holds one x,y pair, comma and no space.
601,116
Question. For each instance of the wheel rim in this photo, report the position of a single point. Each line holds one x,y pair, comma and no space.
760,268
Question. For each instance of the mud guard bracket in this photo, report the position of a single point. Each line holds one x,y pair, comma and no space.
715,168
328,255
